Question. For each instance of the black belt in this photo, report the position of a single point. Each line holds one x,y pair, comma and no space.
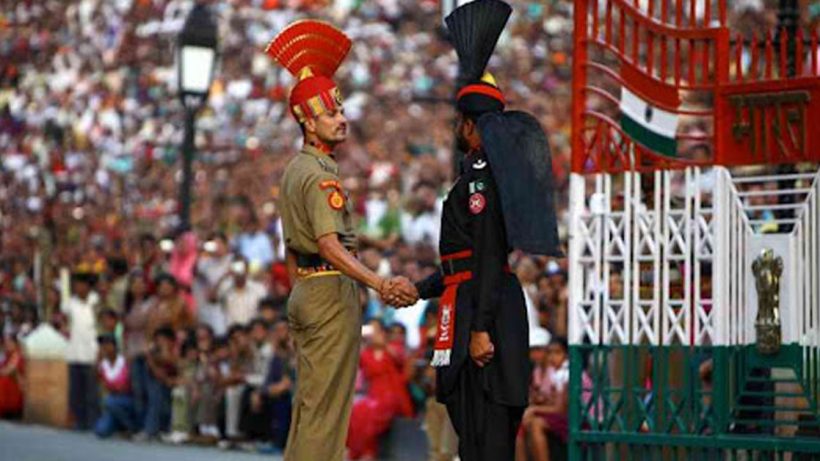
458,262
306,261
454,266
315,261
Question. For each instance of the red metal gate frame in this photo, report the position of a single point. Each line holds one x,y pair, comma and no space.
693,53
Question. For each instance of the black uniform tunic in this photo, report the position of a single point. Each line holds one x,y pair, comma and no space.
485,404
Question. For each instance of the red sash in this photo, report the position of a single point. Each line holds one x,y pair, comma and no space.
447,319
443,348
447,312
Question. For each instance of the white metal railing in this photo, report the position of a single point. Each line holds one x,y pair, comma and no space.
772,177
730,272
768,193
657,234
773,223
742,235
806,267
655,245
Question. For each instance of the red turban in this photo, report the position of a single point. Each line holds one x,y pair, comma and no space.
312,52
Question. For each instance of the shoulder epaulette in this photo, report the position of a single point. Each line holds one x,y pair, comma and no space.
325,166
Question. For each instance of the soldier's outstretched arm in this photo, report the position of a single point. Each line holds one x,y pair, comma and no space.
398,291
332,251
432,286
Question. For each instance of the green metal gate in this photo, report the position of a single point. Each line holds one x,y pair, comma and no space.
672,346
679,416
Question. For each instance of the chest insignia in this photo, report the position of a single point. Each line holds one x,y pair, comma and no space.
480,164
336,200
477,203
477,186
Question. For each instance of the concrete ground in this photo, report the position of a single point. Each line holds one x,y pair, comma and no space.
20,442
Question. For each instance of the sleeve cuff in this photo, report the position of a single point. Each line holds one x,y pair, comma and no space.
480,326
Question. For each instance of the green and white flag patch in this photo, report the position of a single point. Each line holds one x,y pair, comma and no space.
477,186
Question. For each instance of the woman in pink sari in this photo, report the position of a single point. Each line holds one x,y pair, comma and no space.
11,378
386,398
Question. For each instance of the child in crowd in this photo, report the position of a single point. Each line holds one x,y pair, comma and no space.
204,337
162,377
110,325
262,351
270,309
82,352
118,412
549,399
207,393
181,420
234,378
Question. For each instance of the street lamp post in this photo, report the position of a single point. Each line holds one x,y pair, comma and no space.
196,62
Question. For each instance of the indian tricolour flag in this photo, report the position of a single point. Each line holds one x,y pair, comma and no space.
648,111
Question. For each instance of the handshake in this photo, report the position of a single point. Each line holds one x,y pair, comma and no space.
398,292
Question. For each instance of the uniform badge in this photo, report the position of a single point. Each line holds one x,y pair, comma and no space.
476,186
336,200
477,203
330,183
480,165
337,97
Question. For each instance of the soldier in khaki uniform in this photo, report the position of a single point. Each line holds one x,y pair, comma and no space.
324,311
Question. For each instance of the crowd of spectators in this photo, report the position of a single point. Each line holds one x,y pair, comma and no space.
183,331
163,370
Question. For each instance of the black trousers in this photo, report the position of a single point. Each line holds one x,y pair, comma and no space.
271,423
253,425
486,429
83,395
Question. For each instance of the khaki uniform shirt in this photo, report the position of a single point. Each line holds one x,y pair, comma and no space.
313,204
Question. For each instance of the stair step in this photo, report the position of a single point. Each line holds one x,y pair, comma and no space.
773,408
769,422
774,394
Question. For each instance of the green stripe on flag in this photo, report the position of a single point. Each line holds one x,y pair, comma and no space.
649,139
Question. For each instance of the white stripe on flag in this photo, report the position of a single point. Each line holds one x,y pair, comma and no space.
661,122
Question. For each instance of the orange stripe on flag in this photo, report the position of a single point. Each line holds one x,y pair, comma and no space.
649,89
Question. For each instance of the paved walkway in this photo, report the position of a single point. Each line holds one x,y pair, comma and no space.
35,443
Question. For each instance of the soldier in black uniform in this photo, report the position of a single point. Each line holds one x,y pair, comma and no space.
502,200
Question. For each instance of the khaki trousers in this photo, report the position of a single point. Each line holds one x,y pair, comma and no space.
441,436
325,319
